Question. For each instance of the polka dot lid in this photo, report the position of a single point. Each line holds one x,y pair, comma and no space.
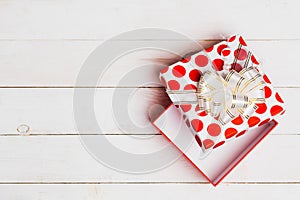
232,54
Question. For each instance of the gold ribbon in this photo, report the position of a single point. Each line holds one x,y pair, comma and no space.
226,98
236,94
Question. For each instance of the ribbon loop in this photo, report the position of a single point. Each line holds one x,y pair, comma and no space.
226,98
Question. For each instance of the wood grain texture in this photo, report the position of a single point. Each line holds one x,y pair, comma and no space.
149,191
260,19
51,110
43,45
57,63
63,159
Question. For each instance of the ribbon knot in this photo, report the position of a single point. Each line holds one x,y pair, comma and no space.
225,98
236,94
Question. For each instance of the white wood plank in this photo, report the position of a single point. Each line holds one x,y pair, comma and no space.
200,19
57,63
63,159
50,111
149,192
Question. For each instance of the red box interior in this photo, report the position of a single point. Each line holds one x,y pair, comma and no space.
221,160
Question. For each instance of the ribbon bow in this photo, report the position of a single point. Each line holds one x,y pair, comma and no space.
226,98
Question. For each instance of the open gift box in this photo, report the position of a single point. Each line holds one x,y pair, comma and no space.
220,93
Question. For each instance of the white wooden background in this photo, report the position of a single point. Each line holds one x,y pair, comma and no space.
43,44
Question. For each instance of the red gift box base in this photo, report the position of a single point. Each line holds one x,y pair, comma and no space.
221,160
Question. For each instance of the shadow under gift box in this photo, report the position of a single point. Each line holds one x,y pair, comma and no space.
221,160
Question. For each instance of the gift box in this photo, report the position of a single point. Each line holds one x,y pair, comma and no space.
221,92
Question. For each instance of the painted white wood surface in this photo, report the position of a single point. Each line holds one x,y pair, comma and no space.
150,191
49,159
50,110
37,63
43,44
77,19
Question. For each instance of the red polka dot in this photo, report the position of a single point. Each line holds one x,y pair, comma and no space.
241,133
253,59
178,71
278,98
214,129
238,121
190,87
186,107
236,66
195,75
242,41
208,143
232,39
230,132
202,114
262,107
209,49
266,79
219,144
164,70
268,92
198,140
185,60
184,117
226,52
240,54
197,125
218,64
263,122
220,48
201,60
163,81
197,108
276,110
173,85
252,121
